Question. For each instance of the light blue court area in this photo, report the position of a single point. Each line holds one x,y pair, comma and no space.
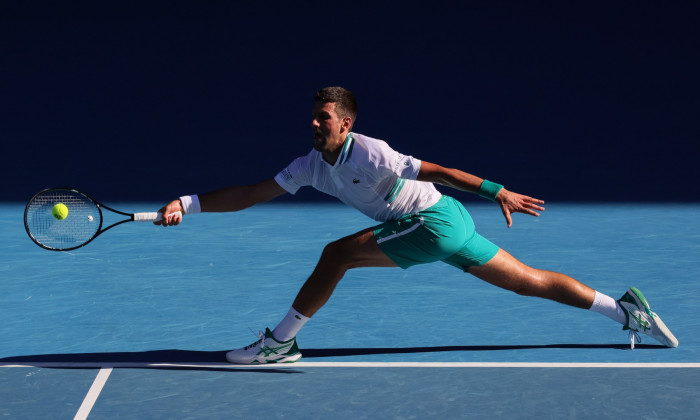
153,311
369,392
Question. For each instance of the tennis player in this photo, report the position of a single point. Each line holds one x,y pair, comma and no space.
418,225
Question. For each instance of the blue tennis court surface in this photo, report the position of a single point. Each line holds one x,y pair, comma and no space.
135,325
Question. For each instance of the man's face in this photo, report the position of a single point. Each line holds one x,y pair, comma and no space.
327,128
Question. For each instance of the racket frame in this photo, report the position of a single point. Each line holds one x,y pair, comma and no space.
97,204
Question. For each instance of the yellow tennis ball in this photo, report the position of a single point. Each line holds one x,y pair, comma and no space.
60,211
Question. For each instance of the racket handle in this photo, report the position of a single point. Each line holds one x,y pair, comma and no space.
151,216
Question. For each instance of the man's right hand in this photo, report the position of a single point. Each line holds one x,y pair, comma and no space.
171,217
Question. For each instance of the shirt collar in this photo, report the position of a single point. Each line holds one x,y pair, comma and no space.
347,150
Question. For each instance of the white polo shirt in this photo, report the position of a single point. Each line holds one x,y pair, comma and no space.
368,175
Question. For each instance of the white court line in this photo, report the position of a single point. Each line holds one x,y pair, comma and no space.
93,393
126,365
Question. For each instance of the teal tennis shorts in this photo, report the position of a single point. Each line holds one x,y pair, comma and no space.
443,232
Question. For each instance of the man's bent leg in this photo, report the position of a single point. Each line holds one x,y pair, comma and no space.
357,250
505,271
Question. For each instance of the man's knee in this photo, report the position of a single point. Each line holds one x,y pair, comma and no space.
339,252
528,282
535,283
350,252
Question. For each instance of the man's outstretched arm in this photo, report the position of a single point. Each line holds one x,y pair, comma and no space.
226,199
509,201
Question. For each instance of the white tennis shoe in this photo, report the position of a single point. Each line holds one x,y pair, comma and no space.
640,319
266,350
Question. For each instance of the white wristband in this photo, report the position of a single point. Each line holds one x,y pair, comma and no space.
190,204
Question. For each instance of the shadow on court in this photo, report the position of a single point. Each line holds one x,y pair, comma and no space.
153,356
144,359
309,353
155,359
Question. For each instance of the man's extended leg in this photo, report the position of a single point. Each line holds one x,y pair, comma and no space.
506,272
632,310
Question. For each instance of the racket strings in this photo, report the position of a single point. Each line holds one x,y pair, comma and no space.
81,224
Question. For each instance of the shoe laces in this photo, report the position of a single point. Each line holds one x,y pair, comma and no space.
634,336
261,339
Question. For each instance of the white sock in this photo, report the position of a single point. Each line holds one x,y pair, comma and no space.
609,307
290,325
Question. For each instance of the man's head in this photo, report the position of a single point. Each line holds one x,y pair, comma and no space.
333,114
344,100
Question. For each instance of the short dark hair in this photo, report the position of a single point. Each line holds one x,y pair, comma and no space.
345,102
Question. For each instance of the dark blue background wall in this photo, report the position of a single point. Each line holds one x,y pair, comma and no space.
563,101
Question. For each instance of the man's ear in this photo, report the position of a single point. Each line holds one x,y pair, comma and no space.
347,124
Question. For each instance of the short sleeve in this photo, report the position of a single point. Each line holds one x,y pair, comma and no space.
298,174
388,160
407,167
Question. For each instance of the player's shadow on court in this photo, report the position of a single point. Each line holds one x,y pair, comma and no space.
208,360
154,359
311,353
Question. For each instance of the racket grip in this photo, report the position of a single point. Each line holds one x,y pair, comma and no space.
151,216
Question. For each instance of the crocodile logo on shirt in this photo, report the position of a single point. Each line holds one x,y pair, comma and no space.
355,181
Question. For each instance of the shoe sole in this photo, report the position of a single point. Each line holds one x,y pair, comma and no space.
289,359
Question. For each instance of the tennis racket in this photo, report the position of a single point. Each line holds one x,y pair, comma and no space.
82,223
